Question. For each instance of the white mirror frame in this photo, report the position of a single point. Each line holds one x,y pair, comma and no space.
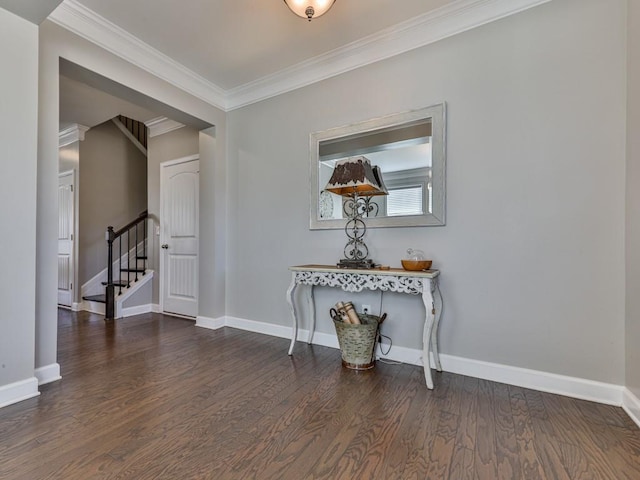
438,154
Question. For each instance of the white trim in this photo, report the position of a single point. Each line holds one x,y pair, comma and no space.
155,308
93,307
210,323
75,245
125,131
76,306
575,387
94,286
451,19
161,238
161,125
189,158
48,373
71,134
129,292
631,405
18,391
136,310
89,25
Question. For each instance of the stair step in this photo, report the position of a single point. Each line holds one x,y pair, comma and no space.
96,298
139,270
118,283
141,257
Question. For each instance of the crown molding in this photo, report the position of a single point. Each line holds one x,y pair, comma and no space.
451,19
84,22
161,125
454,18
74,133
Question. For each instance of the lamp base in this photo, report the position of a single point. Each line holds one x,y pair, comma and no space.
361,264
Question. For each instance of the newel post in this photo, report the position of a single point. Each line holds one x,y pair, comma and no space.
110,293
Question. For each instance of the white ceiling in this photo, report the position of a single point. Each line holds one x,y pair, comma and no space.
231,53
234,42
33,10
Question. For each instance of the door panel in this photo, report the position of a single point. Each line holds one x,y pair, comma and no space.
65,238
179,237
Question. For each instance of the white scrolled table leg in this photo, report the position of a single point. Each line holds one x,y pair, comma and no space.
290,292
437,305
311,306
427,299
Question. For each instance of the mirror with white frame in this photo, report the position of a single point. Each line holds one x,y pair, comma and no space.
408,147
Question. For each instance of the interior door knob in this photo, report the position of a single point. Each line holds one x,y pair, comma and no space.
165,246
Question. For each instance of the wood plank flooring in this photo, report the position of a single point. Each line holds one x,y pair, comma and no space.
154,397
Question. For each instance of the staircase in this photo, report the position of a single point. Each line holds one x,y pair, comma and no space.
134,130
129,246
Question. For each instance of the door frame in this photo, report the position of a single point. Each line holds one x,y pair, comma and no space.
75,306
163,165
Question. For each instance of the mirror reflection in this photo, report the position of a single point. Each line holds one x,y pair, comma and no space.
409,150
403,154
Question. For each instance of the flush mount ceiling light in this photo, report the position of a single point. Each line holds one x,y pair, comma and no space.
309,8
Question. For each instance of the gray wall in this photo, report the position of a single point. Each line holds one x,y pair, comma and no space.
214,217
113,191
18,157
169,146
633,203
532,256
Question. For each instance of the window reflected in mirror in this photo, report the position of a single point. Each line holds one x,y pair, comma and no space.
409,150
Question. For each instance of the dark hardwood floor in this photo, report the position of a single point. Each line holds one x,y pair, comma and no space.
154,397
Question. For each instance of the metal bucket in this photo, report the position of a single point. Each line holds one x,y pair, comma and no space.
358,342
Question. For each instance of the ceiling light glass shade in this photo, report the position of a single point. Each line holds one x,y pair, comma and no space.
309,8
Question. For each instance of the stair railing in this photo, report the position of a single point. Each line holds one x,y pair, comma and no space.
132,232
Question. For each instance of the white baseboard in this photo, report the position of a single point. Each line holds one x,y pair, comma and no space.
210,323
536,380
93,307
319,338
575,387
48,373
76,306
18,391
631,405
139,310
136,310
127,293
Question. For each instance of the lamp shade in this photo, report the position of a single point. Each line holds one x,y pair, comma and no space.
309,8
356,175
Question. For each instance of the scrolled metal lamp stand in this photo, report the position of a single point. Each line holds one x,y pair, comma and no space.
356,251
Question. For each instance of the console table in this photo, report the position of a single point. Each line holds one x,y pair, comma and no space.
424,283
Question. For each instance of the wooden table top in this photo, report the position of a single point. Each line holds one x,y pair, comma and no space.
369,271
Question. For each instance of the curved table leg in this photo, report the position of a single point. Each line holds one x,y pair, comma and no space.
427,299
292,306
312,313
437,306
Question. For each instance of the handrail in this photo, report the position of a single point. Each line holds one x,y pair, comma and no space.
137,129
131,224
111,237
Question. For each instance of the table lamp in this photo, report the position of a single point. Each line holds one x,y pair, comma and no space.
357,180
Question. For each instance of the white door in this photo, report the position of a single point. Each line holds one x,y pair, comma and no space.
65,238
179,210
